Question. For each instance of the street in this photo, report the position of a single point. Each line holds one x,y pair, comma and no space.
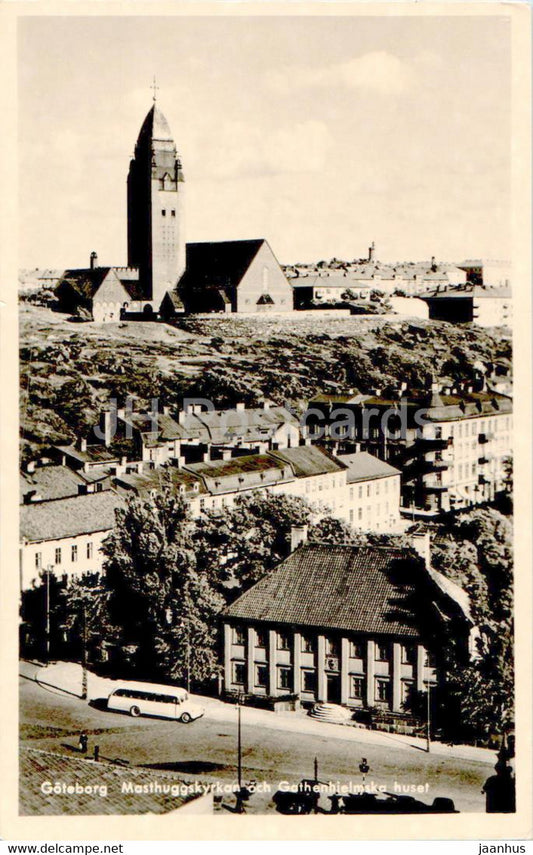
206,750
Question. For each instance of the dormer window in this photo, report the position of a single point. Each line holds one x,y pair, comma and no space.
163,213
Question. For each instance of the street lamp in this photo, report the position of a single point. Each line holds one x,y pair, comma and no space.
428,716
84,652
47,607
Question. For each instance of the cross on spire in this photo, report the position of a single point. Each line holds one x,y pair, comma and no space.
155,87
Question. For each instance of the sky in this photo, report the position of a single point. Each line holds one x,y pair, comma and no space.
321,134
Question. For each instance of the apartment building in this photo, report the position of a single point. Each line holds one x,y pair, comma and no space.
451,444
65,535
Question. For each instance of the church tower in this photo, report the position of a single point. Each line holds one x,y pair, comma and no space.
156,238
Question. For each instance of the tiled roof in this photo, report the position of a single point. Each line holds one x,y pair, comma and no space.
309,460
50,482
93,453
250,424
161,426
175,300
155,479
350,588
218,265
37,766
364,466
84,281
241,473
68,517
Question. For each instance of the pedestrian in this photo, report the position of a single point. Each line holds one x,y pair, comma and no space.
96,753
499,790
83,742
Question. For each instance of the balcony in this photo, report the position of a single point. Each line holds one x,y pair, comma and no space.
485,437
433,443
486,458
482,480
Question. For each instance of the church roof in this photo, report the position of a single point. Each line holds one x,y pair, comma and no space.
219,265
155,127
86,281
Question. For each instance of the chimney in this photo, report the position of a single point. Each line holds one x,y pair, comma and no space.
266,405
298,536
105,426
166,410
421,543
30,467
433,264
240,407
371,251
181,417
83,445
94,260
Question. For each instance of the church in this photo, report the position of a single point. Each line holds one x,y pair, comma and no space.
165,276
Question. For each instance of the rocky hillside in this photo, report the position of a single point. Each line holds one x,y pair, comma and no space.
69,370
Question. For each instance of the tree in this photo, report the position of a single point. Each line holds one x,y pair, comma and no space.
238,546
164,604
475,550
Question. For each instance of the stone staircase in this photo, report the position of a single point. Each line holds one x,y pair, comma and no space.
332,713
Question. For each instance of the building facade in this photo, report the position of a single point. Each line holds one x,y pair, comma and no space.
65,535
451,444
333,624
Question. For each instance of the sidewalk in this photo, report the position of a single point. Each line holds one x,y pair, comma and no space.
66,677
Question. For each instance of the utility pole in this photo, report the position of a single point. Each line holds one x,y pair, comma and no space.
47,607
239,744
84,653
428,733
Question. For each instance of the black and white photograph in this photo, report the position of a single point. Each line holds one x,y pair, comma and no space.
267,290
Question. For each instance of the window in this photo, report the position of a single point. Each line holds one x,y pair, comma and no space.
163,213
359,513
377,489
408,690
239,673
284,641
58,555
429,659
358,687
261,675
260,638
307,644
285,678
89,550
356,649
38,560
173,213
74,553
238,635
382,651
408,654
360,493
382,689
308,681
332,647
367,490
351,494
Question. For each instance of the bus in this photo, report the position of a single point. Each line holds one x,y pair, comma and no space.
157,700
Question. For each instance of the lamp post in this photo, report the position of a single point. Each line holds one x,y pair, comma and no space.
84,652
239,742
47,608
428,713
